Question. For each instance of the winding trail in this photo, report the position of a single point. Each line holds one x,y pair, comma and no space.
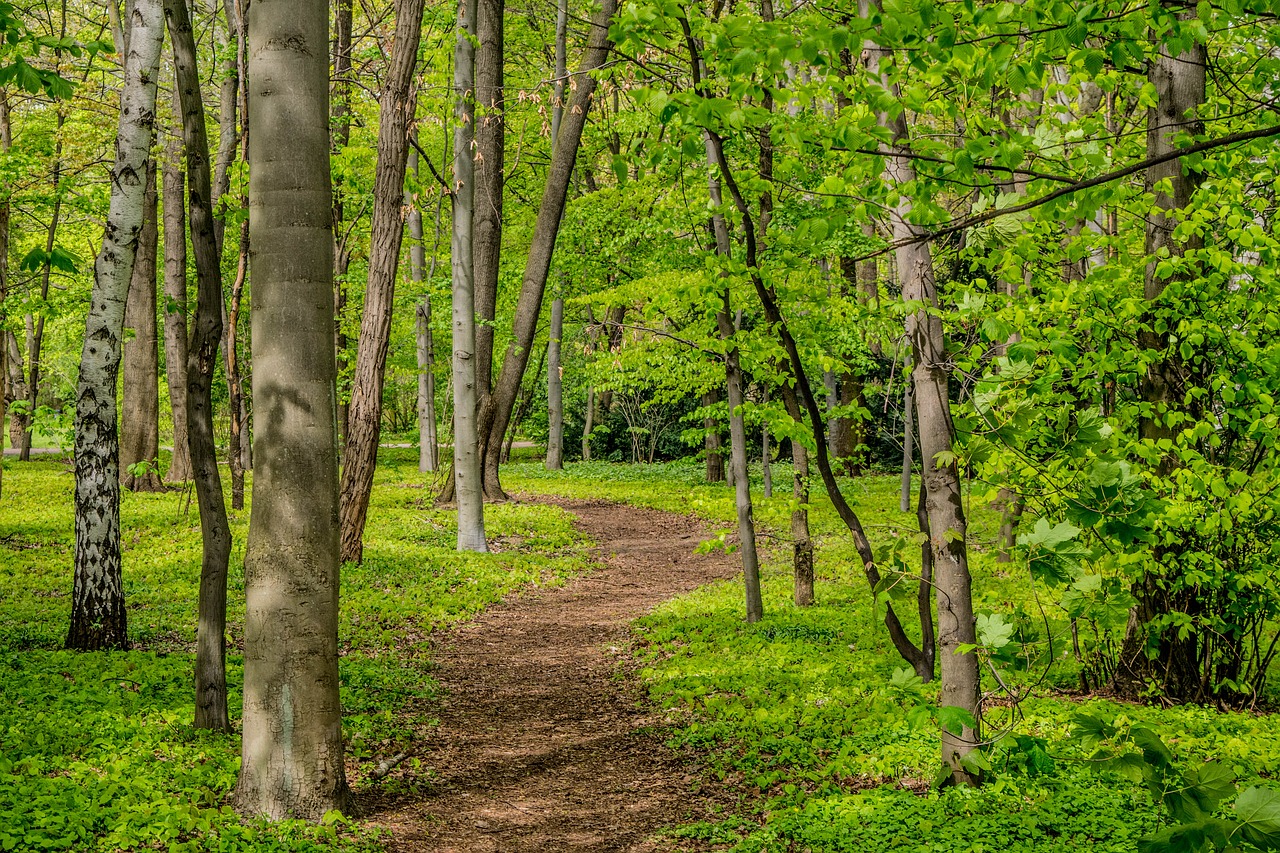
541,747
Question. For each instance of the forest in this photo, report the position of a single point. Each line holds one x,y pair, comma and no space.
632,425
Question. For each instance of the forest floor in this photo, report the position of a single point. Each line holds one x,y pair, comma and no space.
544,741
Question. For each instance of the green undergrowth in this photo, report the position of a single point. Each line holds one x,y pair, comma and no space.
810,708
96,750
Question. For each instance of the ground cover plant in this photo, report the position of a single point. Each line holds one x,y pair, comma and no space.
809,708
97,752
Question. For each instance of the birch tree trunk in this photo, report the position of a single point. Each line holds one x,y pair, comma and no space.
468,488
364,415
140,430
292,763
173,189
202,356
97,598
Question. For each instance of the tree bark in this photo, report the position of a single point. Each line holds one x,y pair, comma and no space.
960,683
555,390
202,356
496,415
340,136
801,541
712,442
97,598
140,430
174,185
490,145
1180,85
292,763
35,327
364,418
428,445
468,487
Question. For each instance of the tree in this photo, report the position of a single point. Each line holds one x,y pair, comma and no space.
468,487
97,598
292,752
140,443
202,357
173,190
364,418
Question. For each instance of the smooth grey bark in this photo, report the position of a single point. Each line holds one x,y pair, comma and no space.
140,407
202,355
737,423
428,444
490,145
711,440
496,416
948,527
340,136
398,102
908,443
292,763
555,383
173,189
468,488
228,99
97,598
555,389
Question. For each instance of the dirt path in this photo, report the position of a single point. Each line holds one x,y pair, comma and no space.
540,746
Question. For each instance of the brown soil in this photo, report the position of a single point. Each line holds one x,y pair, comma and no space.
542,746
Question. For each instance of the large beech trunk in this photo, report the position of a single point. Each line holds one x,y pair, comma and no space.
202,355
940,480
364,415
174,185
468,489
97,598
496,414
292,763
140,427
1180,86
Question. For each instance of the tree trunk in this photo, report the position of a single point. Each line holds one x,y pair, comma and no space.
737,424
6,141
766,468
555,398
908,442
801,541
35,328
496,415
175,312
712,442
202,356
468,488
17,386
292,749
97,599
490,146
1180,87
960,683
140,430
428,445
228,98
235,384
340,136
364,419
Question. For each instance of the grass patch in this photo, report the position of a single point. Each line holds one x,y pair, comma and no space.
96,750
804,707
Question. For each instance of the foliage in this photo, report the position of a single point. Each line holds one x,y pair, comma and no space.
96,750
